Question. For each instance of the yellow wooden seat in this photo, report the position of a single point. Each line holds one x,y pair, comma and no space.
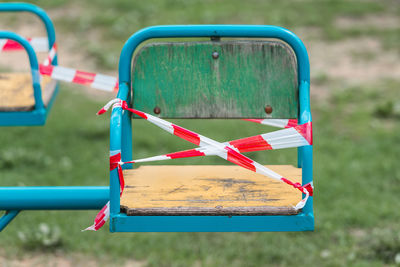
16,91
208,190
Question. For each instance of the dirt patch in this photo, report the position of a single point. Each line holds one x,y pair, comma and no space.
383,21
339,61
351,62
62,260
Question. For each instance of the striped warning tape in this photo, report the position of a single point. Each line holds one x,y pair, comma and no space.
50,57
221,150
292,137
39,44
208,146
281,123
100,219
104,213
94,80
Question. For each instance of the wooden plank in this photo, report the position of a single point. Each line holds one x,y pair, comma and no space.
208,190
212,211
16,91
185,81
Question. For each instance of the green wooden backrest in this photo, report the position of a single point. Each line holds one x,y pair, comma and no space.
216,79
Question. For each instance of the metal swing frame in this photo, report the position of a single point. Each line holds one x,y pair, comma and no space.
38,115
121,138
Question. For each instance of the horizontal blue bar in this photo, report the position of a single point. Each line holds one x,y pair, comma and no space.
23,118
124,223
54,197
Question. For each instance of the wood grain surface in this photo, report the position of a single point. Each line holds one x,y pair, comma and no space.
208,190
184,80
16,91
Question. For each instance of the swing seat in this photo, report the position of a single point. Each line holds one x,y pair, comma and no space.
16,92
198,79
208,190
25,101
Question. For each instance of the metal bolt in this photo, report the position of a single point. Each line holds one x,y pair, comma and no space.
157,110
215,55
268,109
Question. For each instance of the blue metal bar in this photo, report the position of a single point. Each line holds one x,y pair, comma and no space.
306,153
25,7
124,223
116,135
26,118
115,147
53,197
127,134
7,218
33,63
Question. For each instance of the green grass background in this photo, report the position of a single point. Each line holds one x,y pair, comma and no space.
356,147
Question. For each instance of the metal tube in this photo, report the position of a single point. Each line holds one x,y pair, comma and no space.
116,135
37,92
25,7
53,197
306,153
7,218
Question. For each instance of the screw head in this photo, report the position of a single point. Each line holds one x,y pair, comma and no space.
157,110
215,55
268,109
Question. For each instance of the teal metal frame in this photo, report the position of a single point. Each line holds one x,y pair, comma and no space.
121,138
38,115
16,199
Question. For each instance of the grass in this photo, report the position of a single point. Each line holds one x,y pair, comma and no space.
357,179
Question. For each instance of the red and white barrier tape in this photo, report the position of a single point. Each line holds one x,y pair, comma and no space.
209,146
104,213
226,152
97,81
298,136
101,218
281,123
51,55
39,44
94,80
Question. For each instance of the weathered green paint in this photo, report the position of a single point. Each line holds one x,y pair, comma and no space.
185,81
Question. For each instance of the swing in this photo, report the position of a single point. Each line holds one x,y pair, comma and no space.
25,98
251,78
